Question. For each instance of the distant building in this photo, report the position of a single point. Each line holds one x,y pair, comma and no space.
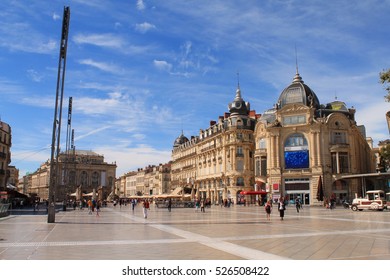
151,180
5,154
13,179
79,172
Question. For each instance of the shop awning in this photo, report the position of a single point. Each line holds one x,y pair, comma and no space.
253,192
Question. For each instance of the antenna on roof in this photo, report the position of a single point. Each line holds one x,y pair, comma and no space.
238,79
296,58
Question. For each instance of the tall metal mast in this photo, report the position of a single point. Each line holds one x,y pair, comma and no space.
55,146
66,172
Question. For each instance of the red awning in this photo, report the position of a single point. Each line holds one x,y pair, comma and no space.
253,192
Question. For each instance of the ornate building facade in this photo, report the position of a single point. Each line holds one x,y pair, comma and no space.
5,153
306,149
79,171
219,163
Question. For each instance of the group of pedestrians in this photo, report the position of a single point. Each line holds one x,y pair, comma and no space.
94,205
281,208
200,204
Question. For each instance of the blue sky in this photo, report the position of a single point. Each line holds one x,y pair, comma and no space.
140,72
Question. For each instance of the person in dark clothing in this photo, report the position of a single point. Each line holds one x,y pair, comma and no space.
281,208
298,203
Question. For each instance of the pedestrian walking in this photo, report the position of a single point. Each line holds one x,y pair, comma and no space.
98,207
132,204
297,204
197,205
146,208
89,207
169,205
281,207
268,209
202,203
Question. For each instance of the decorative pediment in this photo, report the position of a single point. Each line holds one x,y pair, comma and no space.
338,121
293,108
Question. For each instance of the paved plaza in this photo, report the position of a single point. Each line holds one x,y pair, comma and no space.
235,233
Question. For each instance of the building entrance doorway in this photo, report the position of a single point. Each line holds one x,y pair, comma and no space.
304,197
299,187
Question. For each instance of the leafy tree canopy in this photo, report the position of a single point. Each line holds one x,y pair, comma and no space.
385,158
385,80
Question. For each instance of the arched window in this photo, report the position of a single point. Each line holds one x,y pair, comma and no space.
296,152
72,178
84,179
95,179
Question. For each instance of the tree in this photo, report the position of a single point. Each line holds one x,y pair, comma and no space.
385,79
384,155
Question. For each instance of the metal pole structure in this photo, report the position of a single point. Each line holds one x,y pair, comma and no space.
67,149
55,146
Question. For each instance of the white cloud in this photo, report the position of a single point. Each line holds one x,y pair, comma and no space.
38,101
373,116
130,159
14,38
141,5
91,132
102,40
144,27
162,65
34,75
101,65
111,41
95,106
56,17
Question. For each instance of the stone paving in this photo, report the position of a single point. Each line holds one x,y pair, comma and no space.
235,233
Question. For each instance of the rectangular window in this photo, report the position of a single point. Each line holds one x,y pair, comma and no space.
344,162
291,120
239,152
334,163
339,138
262,144
340,162
258,167
263,166
240,165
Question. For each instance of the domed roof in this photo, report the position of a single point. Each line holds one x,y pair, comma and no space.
238,106
180,140
298,93
337,106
